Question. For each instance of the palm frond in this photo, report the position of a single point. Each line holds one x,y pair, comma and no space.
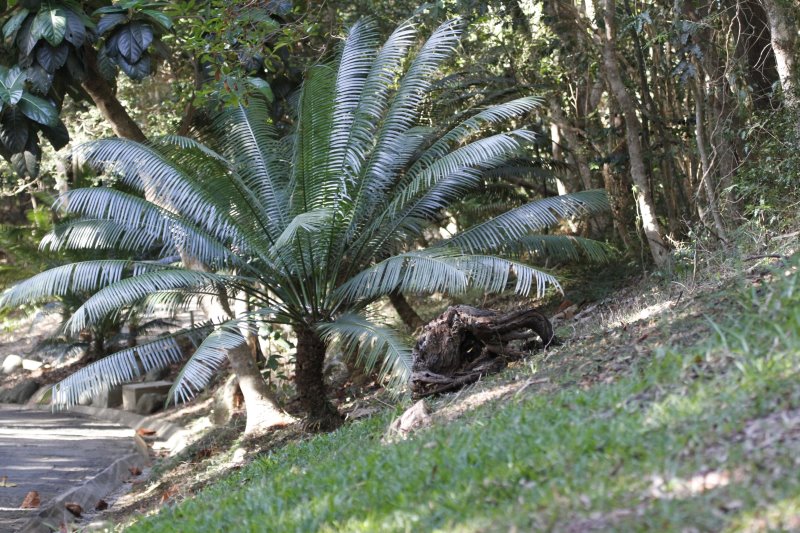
123,366
520,222
213,352
371,344
382,171
129,291
558,248
250,143
94,234
442,270
87,276
475,124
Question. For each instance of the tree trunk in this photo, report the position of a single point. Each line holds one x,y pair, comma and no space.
106,101
783,19
261,406
407,314
322,415
707,181
633,131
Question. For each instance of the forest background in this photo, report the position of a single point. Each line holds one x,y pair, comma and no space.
662,104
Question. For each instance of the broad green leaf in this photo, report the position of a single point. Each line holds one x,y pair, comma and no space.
38,109
13,24
76,29
163,20
13,82
51,24
14,130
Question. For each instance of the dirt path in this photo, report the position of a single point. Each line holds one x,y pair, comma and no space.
51,453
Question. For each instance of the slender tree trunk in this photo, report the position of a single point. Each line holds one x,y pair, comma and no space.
106,101
261,406
407,314
783,19
322,415
707,181
633,130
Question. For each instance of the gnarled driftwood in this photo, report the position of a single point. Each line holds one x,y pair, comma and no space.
465,343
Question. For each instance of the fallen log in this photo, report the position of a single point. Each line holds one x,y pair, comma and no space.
465,343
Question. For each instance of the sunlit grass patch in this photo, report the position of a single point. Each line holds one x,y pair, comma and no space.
704,436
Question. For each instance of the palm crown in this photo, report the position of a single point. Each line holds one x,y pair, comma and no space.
311,228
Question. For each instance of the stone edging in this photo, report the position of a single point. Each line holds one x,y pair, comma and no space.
169,436
54,513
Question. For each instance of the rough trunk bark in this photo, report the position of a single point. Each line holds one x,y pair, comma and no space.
262,408
106,101
407,314
321,414
465,343
633,132
783,19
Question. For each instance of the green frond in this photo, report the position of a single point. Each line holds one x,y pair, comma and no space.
558,248
520,222
94,234
139,215
384,161
83,277
313,185
250,144
128,291
475,124
123,366
310,222
370,344
443,270
211,354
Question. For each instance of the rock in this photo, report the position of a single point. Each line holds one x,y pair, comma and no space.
20,393
416,417
11,363
336,373
150,402
156,374
31,365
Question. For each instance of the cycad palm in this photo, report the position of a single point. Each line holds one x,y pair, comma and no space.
308,226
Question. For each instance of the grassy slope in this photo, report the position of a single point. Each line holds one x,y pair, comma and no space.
686,414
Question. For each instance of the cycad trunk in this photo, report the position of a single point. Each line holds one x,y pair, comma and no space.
322,415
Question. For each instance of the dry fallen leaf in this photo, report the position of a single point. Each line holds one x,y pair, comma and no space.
169,494
101,505
135,470
31,500
74,508
145,432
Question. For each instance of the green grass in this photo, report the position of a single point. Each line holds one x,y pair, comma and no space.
703,436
